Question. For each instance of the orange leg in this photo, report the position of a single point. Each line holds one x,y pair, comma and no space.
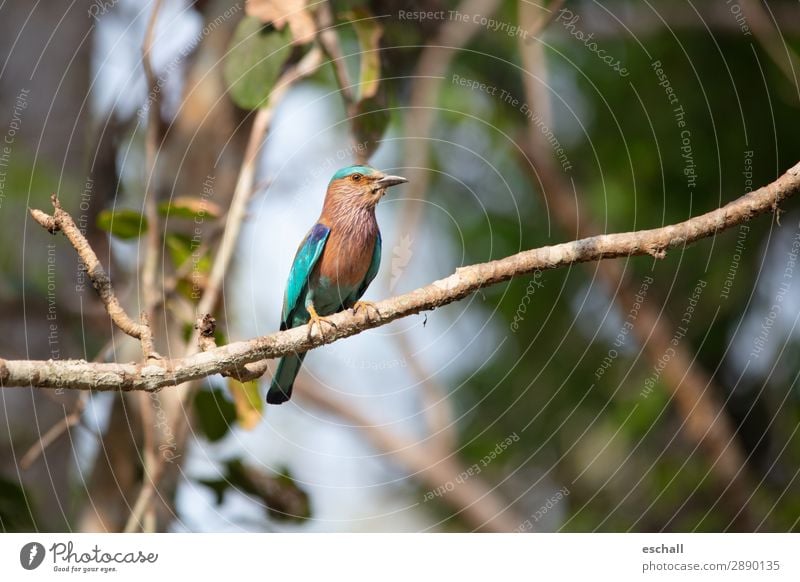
366,306
318,320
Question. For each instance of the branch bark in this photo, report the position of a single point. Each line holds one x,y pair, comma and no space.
62,221
155,374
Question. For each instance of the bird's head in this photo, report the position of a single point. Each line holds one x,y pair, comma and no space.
360,185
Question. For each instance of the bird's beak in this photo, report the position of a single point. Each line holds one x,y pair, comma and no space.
387,181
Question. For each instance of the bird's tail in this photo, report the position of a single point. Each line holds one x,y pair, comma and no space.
281,388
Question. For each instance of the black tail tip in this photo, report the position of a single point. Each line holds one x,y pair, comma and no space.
277,397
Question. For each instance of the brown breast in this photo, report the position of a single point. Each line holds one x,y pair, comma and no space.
347,256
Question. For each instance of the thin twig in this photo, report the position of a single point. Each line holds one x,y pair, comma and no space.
62,221
150,264
152,254
244,184
474,500
330,45
55,431
765,28
156,374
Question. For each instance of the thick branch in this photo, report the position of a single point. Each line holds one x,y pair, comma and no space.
152,375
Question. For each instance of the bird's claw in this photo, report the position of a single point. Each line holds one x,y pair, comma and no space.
318,320
366,306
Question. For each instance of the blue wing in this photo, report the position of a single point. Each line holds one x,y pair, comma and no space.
374,265
308,254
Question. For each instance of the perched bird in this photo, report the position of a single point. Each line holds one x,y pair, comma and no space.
335,263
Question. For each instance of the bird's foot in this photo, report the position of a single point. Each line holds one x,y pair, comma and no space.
366,306
318,320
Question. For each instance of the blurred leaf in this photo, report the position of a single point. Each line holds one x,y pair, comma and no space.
369,31
370,119
215,413
279,12
123,223
257,54
369,115
218,486
179,247
248,402
14,508
283,498
189,207
182,248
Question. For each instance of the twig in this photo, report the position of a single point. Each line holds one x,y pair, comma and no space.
330,44
156,374
244,183
436,406
769,36
150,265
54,432
474,500
206,325
61,220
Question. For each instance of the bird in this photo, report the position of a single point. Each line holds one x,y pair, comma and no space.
335,263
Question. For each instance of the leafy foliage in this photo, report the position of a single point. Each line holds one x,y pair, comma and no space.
254,61
122,223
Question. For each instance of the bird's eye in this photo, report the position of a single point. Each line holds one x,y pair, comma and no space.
357,177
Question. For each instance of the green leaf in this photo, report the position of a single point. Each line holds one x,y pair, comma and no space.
257,54
370,120
280,493
369,32
215,413
182,248
179,247
122,223
15,509
369,116
189,207
248,402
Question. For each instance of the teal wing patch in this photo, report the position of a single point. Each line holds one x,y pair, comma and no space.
307,256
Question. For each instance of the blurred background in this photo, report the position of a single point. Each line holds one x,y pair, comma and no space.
637,394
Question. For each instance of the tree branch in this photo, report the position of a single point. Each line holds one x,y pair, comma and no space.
151,254
155,374
61,220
